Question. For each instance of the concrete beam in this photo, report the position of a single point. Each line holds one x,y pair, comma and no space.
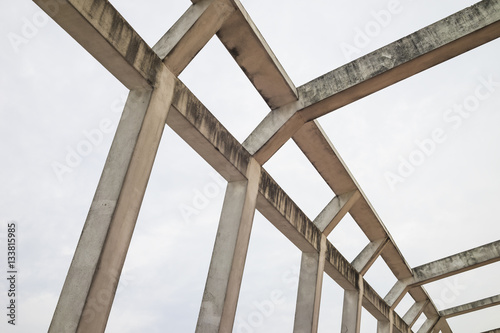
309,291
105,34
367,257
220,298
252,53
314,143
493,331
397,292
434,44
428,325
193,122
458,263
191,32
336,209
411,316
90,286
470,307
283,213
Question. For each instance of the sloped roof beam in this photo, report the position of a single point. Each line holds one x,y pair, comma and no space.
470,307
434,44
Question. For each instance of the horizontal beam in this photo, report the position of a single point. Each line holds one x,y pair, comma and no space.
455,264
432,45
470,307
104,33
193,122
252,53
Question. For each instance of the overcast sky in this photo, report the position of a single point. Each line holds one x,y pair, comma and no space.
430,171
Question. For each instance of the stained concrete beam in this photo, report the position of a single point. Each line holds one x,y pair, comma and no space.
470,307
336,209
428,325
455,264
191,32
434,44
252,53
193,122
105,34
414,312
365,259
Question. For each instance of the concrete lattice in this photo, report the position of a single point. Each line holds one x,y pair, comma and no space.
158,97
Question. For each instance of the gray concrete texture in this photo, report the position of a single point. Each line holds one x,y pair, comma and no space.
158,97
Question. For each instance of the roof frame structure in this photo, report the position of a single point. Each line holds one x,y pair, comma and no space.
158,97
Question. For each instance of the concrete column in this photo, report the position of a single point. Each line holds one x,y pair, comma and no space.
90,285
385,326
222,288
351,312
309,294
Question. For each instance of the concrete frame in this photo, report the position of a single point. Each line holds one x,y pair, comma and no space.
157,97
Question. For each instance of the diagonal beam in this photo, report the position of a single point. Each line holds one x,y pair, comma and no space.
470,307
191,32
336,209
428,325
252,53
458,263
365,259
411,316
434,44
90,286
105,34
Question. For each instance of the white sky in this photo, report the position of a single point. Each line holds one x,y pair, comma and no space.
53,92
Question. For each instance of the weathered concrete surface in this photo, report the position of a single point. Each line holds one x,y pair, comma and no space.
397,292
252,53
399,60
222,288
191,32
309,290
351,310
470,307
105,34
428,325
206,135
90,285
336,209
365,259
414,312
458,263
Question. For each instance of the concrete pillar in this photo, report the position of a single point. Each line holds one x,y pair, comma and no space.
90,285
309,291
385,326
351,312
222,288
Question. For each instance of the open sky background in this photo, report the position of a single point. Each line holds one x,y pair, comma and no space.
52,92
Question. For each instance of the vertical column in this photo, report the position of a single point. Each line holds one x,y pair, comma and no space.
309,294
385,326
351,312
222,288
90,285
